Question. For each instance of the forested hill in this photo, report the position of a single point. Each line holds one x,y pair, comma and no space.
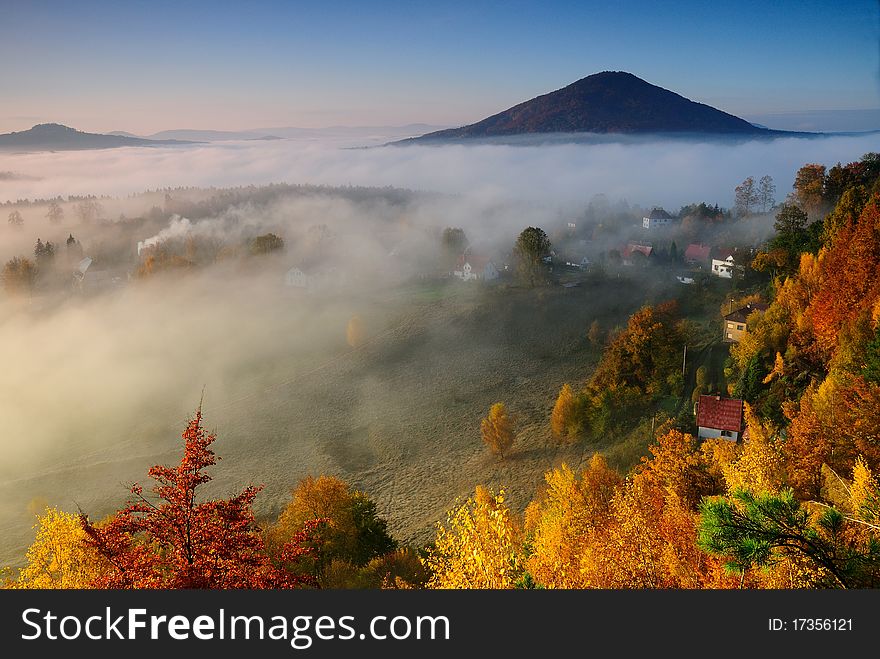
55,137
608,102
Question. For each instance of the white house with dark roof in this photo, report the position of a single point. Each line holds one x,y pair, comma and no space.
723,263
656,219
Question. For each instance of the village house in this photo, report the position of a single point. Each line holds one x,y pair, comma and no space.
296,278
735,322
719,417
323,280
582,263
628,252
475,267
723,263
87,278
656,219
697,254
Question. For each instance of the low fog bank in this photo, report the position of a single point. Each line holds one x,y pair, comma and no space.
97,382
670,173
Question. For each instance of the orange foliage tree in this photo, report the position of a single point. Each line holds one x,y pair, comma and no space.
853,284
171,540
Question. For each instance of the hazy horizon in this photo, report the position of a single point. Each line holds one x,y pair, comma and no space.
813,120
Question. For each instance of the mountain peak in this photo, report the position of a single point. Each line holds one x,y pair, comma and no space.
605,102
52,128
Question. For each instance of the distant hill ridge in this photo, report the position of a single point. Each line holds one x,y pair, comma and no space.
605,103
57,137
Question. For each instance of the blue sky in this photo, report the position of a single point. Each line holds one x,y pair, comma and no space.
148,66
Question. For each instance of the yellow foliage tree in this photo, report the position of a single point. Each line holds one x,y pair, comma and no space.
563,519
778,369
59,557
352,533
676,466
480,546
497,430
864,493
759,467
563,413
354,332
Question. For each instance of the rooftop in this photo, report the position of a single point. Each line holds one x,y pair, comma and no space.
741,314
627,251
697,252
720,413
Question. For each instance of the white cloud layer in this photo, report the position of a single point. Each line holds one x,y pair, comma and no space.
670,173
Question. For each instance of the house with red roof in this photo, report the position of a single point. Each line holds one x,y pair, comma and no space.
697,254
628,252
719,417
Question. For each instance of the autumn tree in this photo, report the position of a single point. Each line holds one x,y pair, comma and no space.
847,211
766,193
355,335
853,265
565,521
864,493
16,220
352,534
562,417
809,188
646,355
19,276
167,538
266,244
479,546
60,556
55,214
532,247
677,467
401,569
758,465
746,197
497,430
595,335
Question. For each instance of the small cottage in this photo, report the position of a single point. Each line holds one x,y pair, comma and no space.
633,252
697,254
735,322
723,263
719,417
